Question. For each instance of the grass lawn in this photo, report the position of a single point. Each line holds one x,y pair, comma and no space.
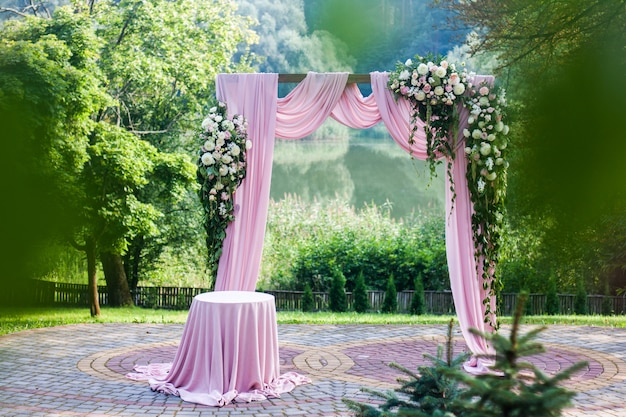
18,319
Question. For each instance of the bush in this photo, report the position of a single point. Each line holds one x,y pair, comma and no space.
580,302
361,300
390,303
552,298
308,303
418,304
337,299
305,242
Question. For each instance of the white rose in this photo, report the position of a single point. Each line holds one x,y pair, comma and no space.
404,75
466,133
420,95
483,101
499,126
213,109
223,170
205,123
207,159
485,149
209,145
422,69
440,72
468,150
491,137
499,161
470,119
248,144
218,118
227,159
219,186
408,62
235,150
476,133
459,89
492,176
439,90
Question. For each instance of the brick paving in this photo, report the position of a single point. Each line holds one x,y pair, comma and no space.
79,370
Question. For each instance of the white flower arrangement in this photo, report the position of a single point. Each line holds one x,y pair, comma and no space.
221,168
433,87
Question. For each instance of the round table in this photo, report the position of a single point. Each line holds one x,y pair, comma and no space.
228,350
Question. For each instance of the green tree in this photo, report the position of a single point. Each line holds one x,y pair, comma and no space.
508,391
543,47
361,300
308,303
418,303
390,303
580,300
49,88
337,299
552,298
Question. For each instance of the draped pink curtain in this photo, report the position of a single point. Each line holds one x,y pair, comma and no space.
298,115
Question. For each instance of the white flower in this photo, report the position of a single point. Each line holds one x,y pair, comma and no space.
420,95
459,89
489,163
468,150
481,185
492,176
223,170
476,133
499,161
439,90
206,122
218,118
227,159
404,75
408,62
207,159
235,150
483,101
470,119
485,148
219,186
209,145
466,133
506,129
440,72
491,137
213,109
248,144
499,126
422,69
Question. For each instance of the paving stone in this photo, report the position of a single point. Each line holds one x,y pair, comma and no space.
78,370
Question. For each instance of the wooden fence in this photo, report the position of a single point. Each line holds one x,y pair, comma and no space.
437,302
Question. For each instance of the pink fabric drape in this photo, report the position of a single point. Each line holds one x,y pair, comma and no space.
298,115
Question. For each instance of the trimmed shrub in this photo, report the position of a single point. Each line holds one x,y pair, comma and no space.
308,303
361,302
418,303
390,303
552,298
580,302
337,299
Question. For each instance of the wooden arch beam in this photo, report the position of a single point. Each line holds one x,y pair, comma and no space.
296,78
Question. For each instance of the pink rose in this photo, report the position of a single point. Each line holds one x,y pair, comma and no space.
404,90
484,90
225,197
426,88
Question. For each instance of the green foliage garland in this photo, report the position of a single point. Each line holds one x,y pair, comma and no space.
221,168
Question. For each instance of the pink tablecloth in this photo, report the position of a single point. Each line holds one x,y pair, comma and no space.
228,352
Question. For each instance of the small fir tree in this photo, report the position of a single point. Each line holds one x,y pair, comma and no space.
552,298
361,301
607,303
308,303
418,303
390,303
580,302
515,388
338,301
429,392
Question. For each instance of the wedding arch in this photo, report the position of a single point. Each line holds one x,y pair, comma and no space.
300,113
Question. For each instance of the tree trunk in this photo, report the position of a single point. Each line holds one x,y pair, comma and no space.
115,276
132,260
92,279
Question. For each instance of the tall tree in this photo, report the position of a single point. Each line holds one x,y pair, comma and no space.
48,90
567,170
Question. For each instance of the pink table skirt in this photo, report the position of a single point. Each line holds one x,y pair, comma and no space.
228,352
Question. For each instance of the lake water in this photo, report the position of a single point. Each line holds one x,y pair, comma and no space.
359,168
